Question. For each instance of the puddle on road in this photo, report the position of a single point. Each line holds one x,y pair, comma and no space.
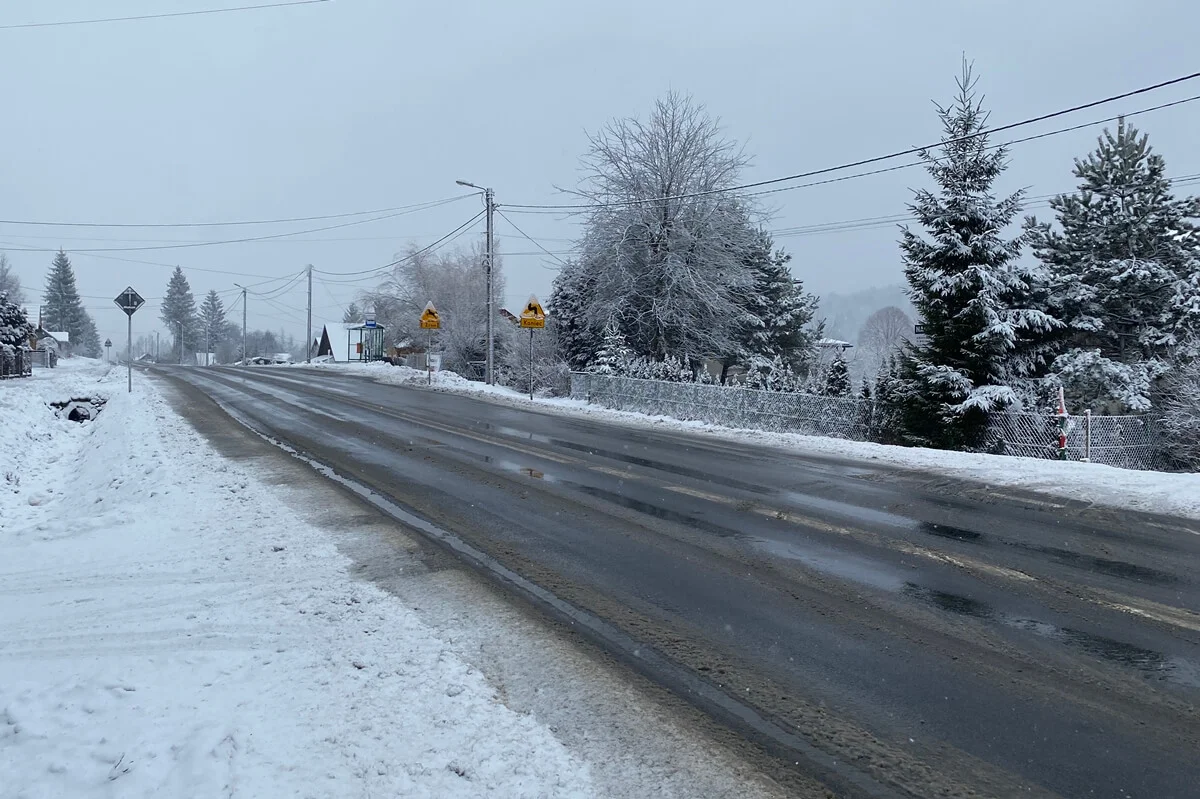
847,567
1113,568
513,466
513,432
669,468
946,531
846,509
1066,557
653,510
1153,664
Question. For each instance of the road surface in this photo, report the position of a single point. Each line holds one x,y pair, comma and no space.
886,632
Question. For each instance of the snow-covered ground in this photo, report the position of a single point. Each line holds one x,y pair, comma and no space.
169,627
1156,492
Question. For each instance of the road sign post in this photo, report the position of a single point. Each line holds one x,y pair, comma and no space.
129,301
107,349
533,318
430,321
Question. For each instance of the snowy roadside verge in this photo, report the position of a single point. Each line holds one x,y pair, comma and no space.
1105,486
170,628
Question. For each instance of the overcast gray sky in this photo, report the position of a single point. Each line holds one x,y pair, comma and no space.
353,105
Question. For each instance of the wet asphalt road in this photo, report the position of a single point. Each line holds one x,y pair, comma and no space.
890,633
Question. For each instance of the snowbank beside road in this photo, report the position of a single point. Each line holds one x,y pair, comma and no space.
169,628
1153,492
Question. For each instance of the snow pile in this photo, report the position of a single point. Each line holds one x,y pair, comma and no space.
383,372
169,628
1152,492
36,445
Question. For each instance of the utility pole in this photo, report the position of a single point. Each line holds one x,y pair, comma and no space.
489,199
157,347
489,204
181,342
245,355
308,334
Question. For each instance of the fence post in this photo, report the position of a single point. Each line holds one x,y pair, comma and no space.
1087,436
1062,426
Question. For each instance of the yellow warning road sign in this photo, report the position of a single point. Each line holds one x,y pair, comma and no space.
533,315
429,318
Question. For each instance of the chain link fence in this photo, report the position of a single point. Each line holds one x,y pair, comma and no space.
1130,442
774,411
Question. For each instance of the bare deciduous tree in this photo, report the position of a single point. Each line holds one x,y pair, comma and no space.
454,283
9,282
1180,405
665,248
882,334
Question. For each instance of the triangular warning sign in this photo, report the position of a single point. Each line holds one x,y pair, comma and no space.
533,315
429,318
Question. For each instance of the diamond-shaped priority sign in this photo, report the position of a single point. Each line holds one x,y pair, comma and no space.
129,301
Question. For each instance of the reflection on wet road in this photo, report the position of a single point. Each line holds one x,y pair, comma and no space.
870,627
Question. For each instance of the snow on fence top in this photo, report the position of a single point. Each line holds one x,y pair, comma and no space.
1126,441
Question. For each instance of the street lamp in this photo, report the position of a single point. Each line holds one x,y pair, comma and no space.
489,204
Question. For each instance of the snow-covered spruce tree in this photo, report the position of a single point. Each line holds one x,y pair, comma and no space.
212,324
984,331
1124,274
837,379
62,308
613,357
665,247
578,338
778,322
14,326
179,308
889,402
353,314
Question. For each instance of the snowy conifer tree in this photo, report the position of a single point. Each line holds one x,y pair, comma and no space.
973,297
1124,274
837,379
212,325
353,314
578,339
14,326
62,308
614,356
779,316
178,312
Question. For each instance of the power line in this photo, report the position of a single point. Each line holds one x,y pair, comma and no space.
415,207
1009,143
1037,201
169,266
533,241
280,290
878,158
448,237
190,245
140,17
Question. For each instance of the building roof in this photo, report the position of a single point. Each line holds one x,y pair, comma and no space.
64,337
